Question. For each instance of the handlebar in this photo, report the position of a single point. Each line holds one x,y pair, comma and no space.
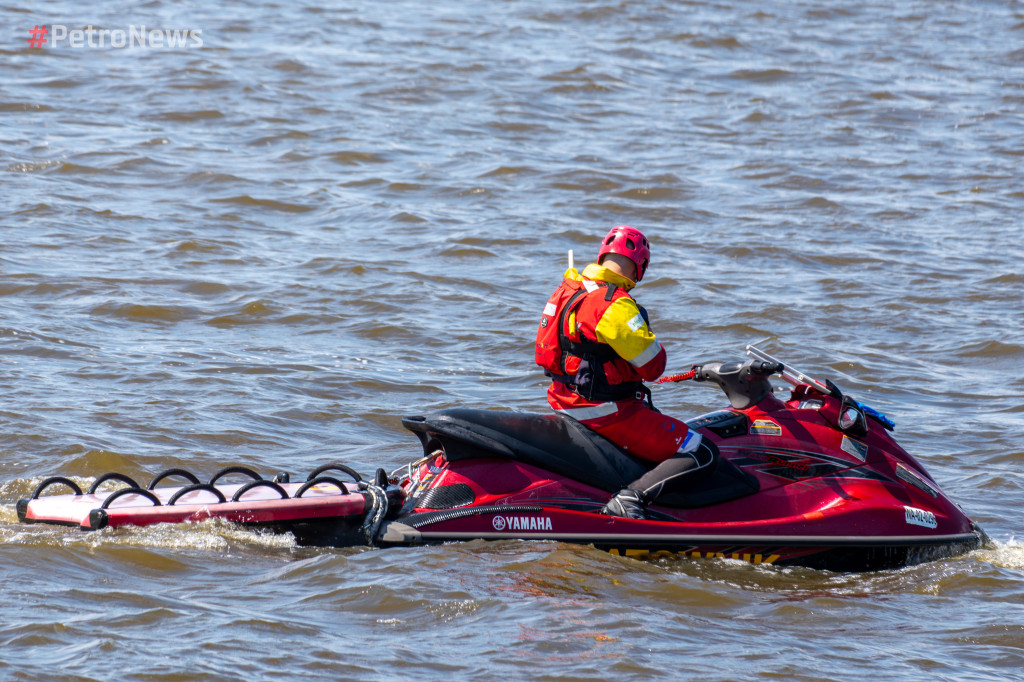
761,368
745,383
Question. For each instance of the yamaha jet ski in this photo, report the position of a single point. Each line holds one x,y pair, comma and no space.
815,480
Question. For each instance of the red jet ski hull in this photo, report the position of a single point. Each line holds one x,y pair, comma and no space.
793,486
862,536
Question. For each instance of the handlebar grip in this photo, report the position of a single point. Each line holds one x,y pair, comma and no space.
766,368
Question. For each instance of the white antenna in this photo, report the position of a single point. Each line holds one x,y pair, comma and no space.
571,264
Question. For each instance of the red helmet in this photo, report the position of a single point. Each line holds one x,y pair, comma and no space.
631,243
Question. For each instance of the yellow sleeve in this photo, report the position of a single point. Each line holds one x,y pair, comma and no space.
623,328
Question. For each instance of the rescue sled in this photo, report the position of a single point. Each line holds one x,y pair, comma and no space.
322,510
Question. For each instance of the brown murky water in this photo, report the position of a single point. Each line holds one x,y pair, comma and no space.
266,250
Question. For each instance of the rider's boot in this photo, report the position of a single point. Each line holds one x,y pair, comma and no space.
628,504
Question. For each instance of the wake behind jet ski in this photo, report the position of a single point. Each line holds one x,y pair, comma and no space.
813,480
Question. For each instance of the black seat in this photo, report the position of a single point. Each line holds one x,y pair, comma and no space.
564,446
549,441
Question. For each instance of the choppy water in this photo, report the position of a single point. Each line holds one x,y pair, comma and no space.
266,250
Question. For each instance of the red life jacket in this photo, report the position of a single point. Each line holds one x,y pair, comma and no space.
588,367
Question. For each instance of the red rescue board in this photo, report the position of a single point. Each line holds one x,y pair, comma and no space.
262,504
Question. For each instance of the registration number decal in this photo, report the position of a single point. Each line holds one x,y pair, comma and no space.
920,517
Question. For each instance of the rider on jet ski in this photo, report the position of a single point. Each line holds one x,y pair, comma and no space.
596,344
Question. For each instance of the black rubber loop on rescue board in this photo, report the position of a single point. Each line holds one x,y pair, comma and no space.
112,477
259,484
188,476
335,466
235,470
321,479
131,491
52,480
194,487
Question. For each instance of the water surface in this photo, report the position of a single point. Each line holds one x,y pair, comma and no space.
267,250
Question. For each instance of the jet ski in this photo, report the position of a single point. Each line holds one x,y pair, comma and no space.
813,480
